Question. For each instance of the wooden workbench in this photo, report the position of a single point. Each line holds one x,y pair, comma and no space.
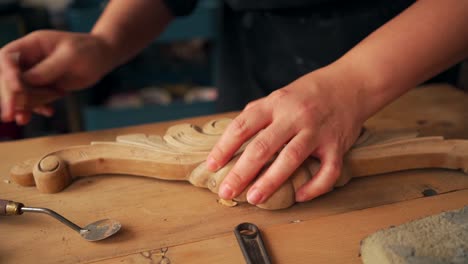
185,224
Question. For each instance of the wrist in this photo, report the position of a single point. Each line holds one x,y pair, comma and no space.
123,27
109,50
365,88
348,91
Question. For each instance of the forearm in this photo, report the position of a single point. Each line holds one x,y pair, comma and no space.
129,26
422,41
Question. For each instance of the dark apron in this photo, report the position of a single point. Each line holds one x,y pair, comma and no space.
266,44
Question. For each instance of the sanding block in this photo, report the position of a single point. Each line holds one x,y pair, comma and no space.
436,239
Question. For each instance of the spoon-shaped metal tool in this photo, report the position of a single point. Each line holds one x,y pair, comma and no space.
93,232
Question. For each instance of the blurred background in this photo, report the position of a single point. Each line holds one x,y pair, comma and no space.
171,79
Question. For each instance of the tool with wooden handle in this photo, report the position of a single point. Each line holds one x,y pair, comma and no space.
98,230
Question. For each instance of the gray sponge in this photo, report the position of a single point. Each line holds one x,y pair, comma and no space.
441,238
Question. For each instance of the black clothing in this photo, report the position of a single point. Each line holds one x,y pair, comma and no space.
266,44
184,7
180,7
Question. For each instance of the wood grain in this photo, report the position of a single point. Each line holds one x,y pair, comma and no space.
157,214
181,153
331,239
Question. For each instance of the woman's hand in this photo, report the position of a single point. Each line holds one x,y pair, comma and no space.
321,113
315,115
57,61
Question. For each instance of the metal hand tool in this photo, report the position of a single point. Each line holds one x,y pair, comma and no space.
251,243
93,232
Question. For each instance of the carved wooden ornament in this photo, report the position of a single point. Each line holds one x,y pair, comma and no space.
180,155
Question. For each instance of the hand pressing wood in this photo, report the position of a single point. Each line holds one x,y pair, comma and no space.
181,153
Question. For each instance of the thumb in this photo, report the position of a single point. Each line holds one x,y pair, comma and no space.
49,70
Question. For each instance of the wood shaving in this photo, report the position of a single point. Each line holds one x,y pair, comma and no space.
6,181
146,254
165,260
228,203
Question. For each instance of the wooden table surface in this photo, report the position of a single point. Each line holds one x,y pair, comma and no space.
184,224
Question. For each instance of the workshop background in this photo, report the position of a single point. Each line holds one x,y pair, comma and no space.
173,78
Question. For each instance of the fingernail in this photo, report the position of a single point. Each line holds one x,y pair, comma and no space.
6,117
211,164
20,120
225,192
301,197
254,197
48,113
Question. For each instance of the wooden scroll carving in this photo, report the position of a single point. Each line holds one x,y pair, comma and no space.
180,155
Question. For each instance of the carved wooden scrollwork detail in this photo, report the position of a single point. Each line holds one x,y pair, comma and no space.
181,153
